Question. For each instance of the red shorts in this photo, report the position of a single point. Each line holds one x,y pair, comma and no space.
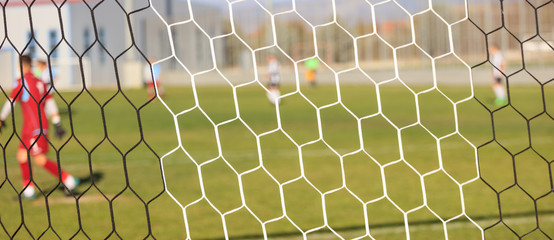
37,146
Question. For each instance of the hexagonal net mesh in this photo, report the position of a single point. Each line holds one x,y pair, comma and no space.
277,119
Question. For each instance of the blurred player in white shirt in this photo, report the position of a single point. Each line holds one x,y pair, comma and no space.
499,68
274,78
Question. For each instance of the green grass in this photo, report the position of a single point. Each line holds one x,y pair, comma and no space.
312,174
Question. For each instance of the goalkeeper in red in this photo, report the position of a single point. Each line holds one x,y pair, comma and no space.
31,94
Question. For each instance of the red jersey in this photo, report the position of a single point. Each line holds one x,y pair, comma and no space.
30,93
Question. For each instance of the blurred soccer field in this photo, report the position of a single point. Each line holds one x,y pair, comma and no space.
123,159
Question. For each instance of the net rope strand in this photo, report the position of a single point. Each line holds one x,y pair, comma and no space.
503,220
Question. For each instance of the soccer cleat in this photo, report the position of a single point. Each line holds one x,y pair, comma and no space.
28,193
71,184
60,132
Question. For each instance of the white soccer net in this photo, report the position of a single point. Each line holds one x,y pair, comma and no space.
404,169
287,119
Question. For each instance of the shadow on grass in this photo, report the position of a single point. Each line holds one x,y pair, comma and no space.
493,219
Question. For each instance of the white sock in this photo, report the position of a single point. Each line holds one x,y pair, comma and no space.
70,182
29,192
273,96
499,92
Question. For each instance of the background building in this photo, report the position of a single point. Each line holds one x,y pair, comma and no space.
85,41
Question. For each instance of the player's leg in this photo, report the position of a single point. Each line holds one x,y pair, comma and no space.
54,113
499,92
69,181
25,167
38,151
273,94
